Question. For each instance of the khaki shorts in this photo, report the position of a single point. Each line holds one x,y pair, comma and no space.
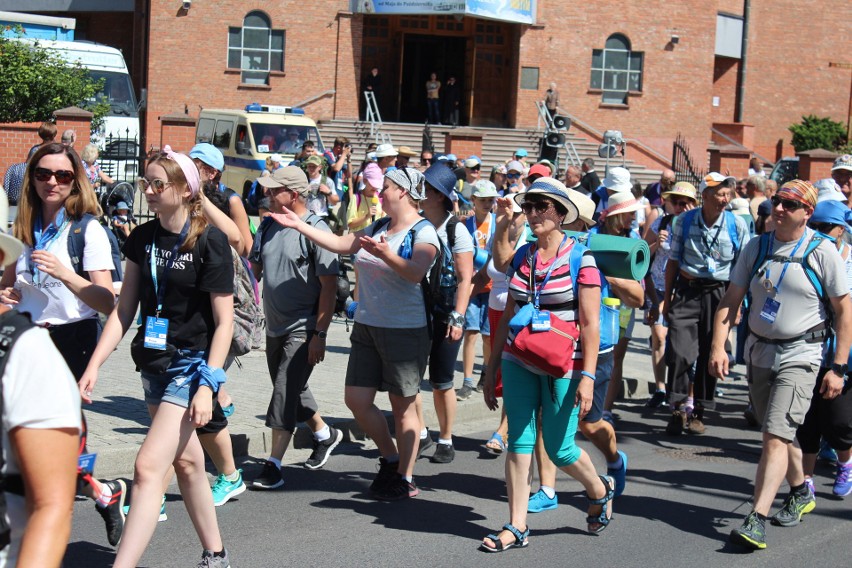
782,400
388,359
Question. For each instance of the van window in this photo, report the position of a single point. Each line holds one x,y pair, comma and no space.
284,139
204,133
222,136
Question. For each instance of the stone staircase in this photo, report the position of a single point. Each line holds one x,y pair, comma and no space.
498,144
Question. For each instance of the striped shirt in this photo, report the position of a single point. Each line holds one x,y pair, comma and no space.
557,296
693,252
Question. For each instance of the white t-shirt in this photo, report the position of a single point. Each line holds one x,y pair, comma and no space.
50,301
25,381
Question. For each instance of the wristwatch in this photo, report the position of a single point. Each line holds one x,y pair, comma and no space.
839,370
456,319
322,334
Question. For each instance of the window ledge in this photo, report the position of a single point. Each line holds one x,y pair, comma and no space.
613,106
634,93
594,92
230,71
253,87
277,74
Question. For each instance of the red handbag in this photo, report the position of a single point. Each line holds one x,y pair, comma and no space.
552,351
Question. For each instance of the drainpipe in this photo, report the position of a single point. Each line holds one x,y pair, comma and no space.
738,113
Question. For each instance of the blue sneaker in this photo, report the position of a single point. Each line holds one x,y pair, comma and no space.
843,483
826,453
619,475
224,490
163,516
541,502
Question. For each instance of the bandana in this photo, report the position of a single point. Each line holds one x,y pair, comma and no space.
801,191
410,180
187,166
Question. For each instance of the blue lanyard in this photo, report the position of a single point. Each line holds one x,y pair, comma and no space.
44,238
170,261
786,264
537,291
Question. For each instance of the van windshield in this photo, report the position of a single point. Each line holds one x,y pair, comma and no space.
118,91
277,138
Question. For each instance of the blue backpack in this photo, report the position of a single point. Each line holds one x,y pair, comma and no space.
730,223
77,246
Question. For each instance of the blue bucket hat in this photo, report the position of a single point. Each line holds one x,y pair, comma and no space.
832,213
209,154
441,178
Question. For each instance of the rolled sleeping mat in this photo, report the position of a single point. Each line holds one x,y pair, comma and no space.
480,258
619,257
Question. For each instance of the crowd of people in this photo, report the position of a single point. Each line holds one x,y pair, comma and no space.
461,258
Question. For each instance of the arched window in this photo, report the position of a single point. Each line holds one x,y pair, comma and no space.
616,70
256,48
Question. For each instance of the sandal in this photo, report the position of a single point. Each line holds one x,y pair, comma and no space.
602,520
495,444
521,540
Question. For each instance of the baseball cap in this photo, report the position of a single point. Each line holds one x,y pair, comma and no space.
472,162
291,177
209,154
843,162
276,158
373,175
315,160
385,151
515,166
539,170
521,152
451,157
484,189
714,179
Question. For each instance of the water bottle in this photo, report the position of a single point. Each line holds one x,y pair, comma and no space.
610,321
351,308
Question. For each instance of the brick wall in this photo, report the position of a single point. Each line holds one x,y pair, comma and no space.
178,131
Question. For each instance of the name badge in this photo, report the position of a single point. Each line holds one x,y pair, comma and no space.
86,463
156,331
541,321
711,265
770,310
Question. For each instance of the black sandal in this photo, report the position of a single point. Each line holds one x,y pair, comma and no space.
601,519
521,540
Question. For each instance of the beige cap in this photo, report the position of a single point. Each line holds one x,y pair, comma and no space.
291,177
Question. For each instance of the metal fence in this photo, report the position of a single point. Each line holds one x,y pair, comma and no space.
683,165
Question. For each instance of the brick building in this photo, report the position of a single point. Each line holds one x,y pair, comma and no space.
650,69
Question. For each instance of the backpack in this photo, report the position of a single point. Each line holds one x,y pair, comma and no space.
12,325
730,223
77,246
431,285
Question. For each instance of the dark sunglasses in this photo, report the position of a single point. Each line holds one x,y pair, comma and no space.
158,185
787,204
62,176
513,175
824,228
426,160
539,206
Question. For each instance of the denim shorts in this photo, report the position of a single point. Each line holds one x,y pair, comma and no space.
476,316
174,385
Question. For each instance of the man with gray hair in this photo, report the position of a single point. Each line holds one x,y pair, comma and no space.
573,175
755,188
69,137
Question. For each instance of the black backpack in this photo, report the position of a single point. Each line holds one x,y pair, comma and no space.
77,246
12,325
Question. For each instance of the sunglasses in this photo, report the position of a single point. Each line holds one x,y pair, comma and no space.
426,160
682,203
62,176
158,185
513,175
539,206
787,204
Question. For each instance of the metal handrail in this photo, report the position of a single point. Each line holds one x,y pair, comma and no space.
766,161
315,98
588,127
375,119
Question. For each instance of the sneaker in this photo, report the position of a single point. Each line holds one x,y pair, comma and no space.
269,478
210,560
465,392
163,516
387,472
396,489
694,425
809,481
842,483
444,453
795,506
480,386
113,514
752,533
827,453
322,450
541,502
619,475
224,490
677,422
657,400
424,444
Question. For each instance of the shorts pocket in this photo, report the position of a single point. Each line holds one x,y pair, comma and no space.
800,404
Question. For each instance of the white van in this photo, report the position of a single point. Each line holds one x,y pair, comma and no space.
247,137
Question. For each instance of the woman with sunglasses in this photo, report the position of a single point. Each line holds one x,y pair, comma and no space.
56,194
526,389
180,275
682,197
390,347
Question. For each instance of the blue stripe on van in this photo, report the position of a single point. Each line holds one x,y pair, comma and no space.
246,163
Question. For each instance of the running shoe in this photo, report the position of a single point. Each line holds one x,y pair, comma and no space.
752,533
465,392
113,514
224,490
269,478
163,516
539,502
322,450
826,453
619,475
387,473
843,483
210,560
425,444
396,489
796,505
657,400
444,453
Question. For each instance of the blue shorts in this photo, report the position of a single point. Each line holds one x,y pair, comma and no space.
603,373
476,316
174,385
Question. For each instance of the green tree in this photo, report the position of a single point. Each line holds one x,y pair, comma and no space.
35,82
815,132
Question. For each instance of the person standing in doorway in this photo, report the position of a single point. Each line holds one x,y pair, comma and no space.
452,98
433,99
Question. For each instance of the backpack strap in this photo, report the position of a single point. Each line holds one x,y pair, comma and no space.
731,224
308,247
77,243
686,222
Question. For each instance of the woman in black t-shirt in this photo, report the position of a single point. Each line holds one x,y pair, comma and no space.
180,274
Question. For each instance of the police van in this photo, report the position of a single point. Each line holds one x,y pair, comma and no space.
247,137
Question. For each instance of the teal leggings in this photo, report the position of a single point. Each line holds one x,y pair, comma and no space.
524,392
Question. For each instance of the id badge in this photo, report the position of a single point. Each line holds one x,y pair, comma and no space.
770,310
541,320
156,330
711,265
86,463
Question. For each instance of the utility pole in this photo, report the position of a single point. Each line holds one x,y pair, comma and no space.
849,112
